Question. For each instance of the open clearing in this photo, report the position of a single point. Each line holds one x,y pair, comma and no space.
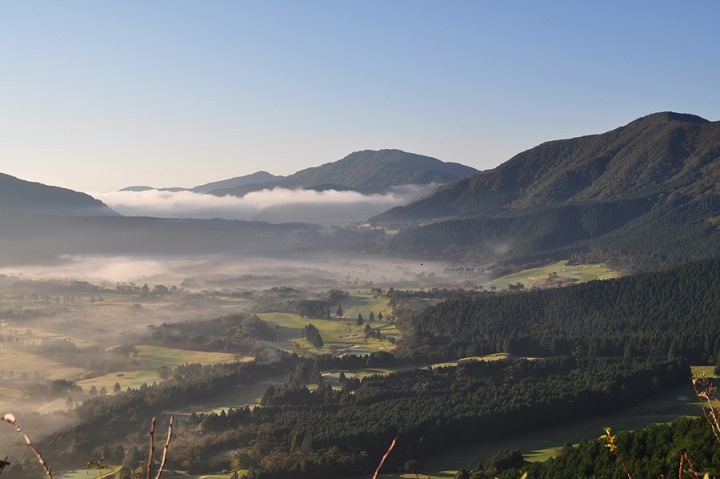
340,335
537,277
151,358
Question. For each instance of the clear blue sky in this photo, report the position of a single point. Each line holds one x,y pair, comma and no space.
98,95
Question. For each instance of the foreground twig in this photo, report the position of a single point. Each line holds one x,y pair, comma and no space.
165,448
686,459
152,448
705,392
377,471
609,440
10,419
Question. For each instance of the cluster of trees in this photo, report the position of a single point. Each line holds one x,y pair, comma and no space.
120,417
330,433
654,451
663,314
311,333
236,333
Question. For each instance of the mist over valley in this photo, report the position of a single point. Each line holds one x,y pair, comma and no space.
263,315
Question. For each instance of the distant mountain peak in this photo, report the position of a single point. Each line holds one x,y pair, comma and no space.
367,171
666,116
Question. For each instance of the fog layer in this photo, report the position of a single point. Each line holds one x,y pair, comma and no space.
276,206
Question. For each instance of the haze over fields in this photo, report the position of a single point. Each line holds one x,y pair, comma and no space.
297,234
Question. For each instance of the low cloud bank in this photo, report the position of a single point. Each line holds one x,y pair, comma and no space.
276,206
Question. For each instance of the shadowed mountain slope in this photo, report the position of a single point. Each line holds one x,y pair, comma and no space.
20,197
650,189
660,153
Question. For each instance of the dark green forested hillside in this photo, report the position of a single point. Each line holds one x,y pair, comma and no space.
20,197
654,451
670,313
662,152
329,433
647,192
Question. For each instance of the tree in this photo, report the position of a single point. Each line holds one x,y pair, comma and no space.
164,372
360,320
93,391
339,312
371,316
312,334
462,474
116,388
69,403
413,466
268,396
380,316
103,391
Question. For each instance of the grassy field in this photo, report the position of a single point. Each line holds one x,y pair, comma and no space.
21,362
150,359
110,473
565,274
237,397
340,335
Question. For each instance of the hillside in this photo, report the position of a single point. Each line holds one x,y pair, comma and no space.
659,153
20,197
650,187
365,171
255,178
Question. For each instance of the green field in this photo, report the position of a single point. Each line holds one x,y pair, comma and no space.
340,335
151,358
237,397
537,277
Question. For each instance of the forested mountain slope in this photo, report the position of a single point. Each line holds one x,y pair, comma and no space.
660,153
645,192
666,314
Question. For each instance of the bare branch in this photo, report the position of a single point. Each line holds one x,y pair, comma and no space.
10,419
152,449
165,449
377,471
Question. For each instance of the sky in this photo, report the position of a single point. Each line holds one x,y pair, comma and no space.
96,96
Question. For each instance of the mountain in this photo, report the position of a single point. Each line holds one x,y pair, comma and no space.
663,152
238,181
20,197
257,177
365,171
649,187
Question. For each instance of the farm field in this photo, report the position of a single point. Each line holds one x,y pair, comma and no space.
537,277
238,397
150,359
340,335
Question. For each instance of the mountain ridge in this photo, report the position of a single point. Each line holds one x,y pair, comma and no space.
19,196
657,152
366,171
